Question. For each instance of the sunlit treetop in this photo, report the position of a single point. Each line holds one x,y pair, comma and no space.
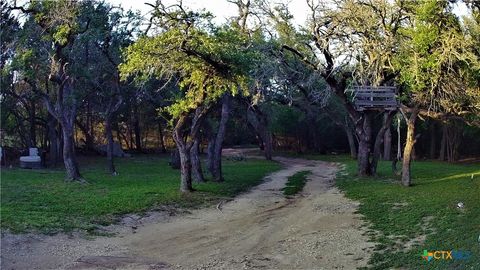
208,61
436,62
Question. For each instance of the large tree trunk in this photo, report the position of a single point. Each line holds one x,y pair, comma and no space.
197,172
65,112
69,159
408,150
185,146
217,151
65,108
185,170
363,158
109,136
184,153
364,146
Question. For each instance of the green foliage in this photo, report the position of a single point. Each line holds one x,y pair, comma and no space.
58,18
435,59
208,62
62,33
285,120
25,61
41,200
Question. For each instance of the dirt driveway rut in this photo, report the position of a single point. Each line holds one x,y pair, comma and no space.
262,229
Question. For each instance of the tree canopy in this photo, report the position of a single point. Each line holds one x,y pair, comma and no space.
94,71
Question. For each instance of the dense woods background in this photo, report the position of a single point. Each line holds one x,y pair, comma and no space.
79,77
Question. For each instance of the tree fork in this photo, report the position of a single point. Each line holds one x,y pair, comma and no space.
217,151
409,144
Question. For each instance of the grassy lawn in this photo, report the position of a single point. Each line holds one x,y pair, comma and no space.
39,200
295,183
426,210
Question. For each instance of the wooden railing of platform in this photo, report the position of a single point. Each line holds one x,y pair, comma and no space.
375,98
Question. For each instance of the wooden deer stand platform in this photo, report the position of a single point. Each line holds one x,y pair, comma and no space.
375,98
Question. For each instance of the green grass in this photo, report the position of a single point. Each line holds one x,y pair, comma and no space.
295,183
39,200
427,208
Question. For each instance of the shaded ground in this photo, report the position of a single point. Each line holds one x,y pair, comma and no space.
260,229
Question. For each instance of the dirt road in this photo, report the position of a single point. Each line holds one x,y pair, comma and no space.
317,229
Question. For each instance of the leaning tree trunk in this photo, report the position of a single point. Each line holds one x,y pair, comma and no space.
184,153
65,109
184,146
217,150
408,150
197,172
65,112
109,136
